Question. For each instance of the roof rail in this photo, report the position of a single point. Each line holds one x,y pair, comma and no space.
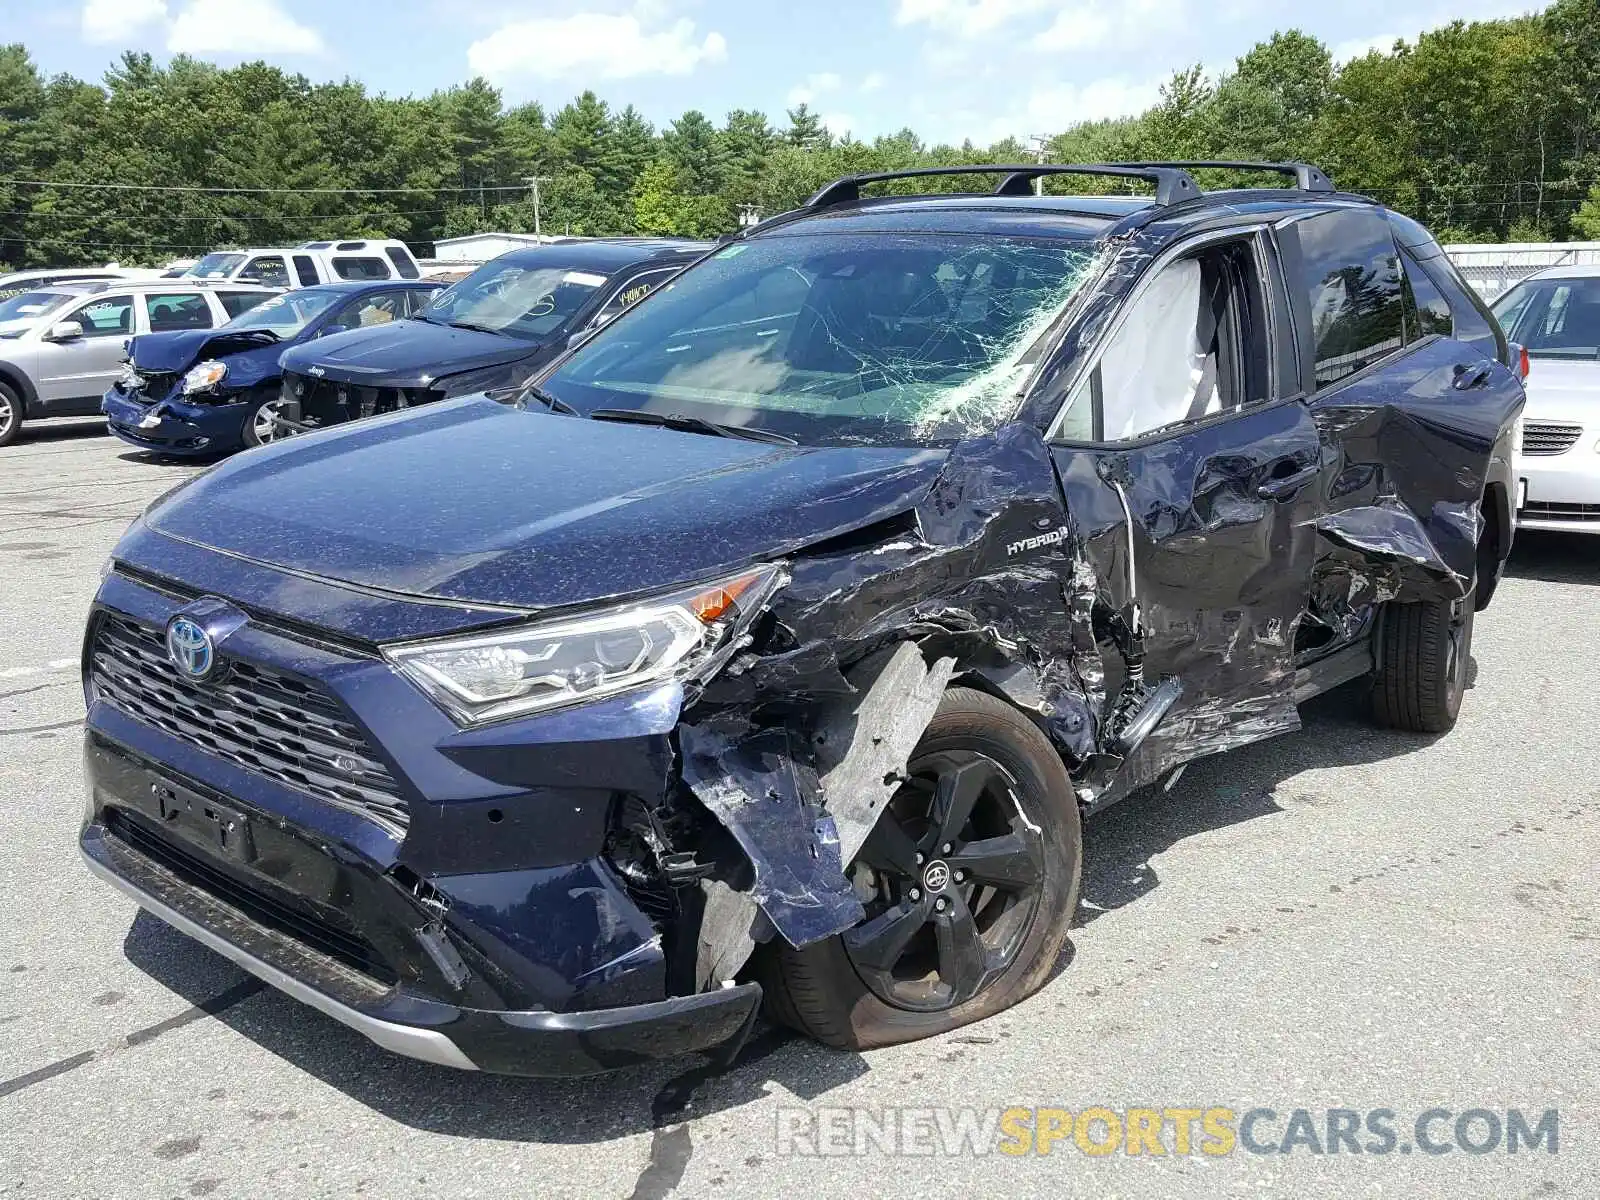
1306,177
1173,184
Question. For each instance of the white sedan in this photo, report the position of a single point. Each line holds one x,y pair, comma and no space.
1555,315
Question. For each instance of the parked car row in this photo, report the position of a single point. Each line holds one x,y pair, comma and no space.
771,641
201,367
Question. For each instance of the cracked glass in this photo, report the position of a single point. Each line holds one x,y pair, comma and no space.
839,338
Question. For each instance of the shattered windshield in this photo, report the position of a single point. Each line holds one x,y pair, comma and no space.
838,338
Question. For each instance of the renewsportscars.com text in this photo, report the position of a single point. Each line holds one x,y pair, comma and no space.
1099,1131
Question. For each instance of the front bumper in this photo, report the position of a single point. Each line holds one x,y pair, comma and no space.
184,430
536,1043
1560,492
471,914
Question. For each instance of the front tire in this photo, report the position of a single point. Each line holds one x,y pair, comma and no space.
970,880
1423,652
10,414
259,428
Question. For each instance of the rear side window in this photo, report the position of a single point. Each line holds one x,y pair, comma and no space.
235,303
177,310
360,268
1474,323
305,270
1427,310
1348,271
402,262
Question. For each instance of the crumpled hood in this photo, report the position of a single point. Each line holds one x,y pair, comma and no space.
406,353
476,501
1563,391
244,350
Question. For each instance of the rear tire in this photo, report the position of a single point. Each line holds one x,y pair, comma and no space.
1422,652
10,414
828,991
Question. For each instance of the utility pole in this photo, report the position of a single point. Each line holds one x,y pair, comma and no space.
533,182
1041,151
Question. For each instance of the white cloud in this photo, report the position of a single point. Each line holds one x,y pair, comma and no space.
839,123
813,87
244,27
229,27
1047,110
967,18
1358,47
120,20
874,81
1087,26
610,46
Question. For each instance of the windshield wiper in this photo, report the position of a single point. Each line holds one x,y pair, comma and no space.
518,391
690,424
471,326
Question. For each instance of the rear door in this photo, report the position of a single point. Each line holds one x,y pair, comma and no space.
1193,471
75,374
1416,410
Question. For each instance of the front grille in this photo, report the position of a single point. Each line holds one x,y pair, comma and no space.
158,385
344,945
332,402
1546,511
1549,437
256,718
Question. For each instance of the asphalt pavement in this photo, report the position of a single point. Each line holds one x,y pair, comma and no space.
1340,919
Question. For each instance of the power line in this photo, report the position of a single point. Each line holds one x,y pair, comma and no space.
235,191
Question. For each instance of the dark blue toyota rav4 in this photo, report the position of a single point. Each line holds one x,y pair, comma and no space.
773,642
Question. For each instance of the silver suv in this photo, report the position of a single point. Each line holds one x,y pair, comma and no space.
62,345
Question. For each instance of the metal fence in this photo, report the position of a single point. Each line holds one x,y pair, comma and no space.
1492,268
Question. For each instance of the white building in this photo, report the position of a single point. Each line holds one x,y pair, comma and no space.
481,247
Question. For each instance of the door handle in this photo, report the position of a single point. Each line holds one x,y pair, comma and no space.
1469,376
1281,487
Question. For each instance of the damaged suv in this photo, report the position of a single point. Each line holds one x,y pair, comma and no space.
773,642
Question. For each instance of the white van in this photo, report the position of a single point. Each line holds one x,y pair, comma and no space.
310,264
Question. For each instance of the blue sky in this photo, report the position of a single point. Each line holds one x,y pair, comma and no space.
948,68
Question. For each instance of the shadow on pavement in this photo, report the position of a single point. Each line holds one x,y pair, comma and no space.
63,429
1555,557
464,1104
1227,789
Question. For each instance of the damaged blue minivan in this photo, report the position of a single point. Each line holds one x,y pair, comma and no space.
768,648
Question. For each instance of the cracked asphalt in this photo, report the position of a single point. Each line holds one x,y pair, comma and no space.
1343,917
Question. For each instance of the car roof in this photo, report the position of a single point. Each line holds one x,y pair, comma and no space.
1012,209
92,287
1569,271
605,254
353,287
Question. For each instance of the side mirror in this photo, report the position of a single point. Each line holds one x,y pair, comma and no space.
582,336
64,331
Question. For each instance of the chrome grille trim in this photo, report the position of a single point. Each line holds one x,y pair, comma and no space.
1549,437
253,717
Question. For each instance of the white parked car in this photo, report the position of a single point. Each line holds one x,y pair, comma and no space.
1555,315
308,265
62,345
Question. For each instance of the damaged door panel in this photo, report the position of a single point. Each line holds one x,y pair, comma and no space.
1222,557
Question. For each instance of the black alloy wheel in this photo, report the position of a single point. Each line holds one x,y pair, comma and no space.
951,876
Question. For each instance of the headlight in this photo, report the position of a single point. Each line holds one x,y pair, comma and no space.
551,664
130,380
204,377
